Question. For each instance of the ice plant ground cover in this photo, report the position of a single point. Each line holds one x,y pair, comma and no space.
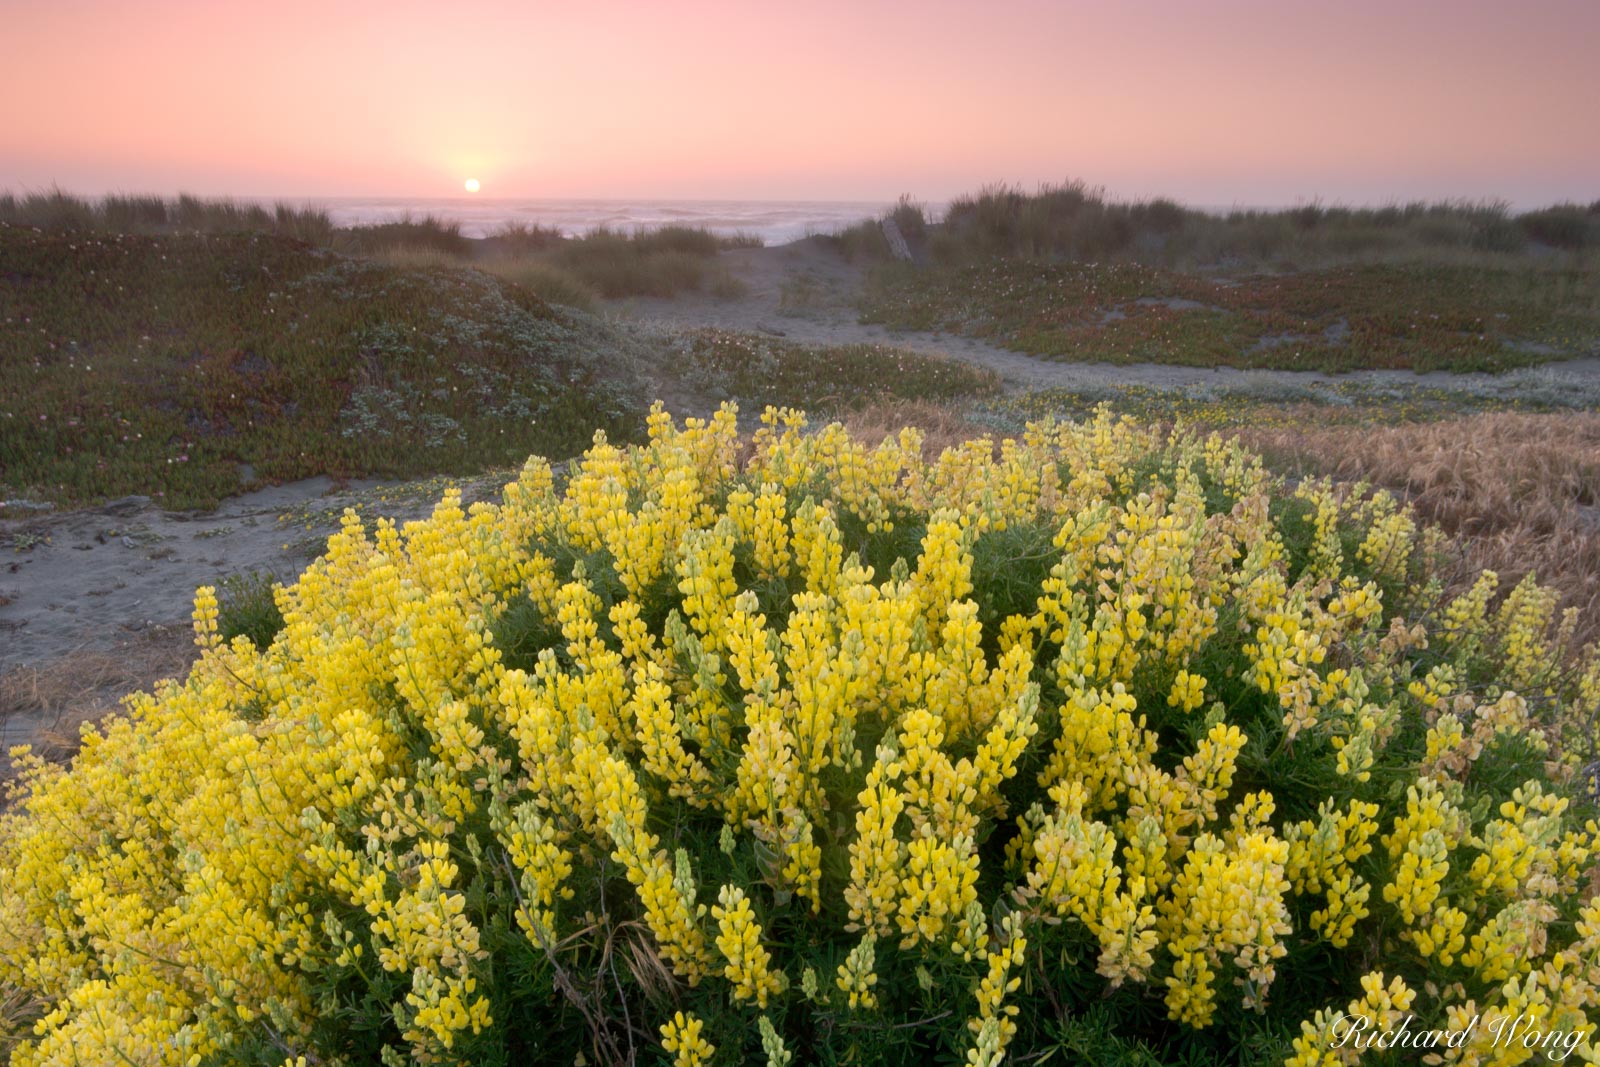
1101,742
1416,316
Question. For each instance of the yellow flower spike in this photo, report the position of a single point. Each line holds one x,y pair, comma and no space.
770,533
993,1026
205,618
661,738
877,855
1226,904
748,964
1188,691
681,1037
856,975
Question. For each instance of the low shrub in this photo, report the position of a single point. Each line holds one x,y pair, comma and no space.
1097,744
549,283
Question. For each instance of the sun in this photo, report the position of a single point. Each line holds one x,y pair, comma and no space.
472,185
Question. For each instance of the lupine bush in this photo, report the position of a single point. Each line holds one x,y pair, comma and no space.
1099,742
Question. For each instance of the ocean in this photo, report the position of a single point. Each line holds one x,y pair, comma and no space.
773,221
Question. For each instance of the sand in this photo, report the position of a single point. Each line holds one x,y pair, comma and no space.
117,583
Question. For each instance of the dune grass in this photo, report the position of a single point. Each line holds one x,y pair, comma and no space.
1071,220
56,210
181,366
520,238
546,281
652,263
606,262
407,232
577,271
59,698
549,282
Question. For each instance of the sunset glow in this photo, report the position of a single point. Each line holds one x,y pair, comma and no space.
1241,101
471,185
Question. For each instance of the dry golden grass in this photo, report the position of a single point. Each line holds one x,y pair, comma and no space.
46,706
942,427
1519,492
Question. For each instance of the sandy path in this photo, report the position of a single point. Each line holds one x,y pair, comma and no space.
120,580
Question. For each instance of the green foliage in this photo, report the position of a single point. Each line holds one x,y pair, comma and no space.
246,607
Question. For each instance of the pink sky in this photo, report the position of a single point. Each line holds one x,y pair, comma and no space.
1215,103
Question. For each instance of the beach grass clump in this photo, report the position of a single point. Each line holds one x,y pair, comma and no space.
604,263
1570,227
863,241
653,263
690,240
545,280
910,217
178,366
409,231
521,238
808,749
759,370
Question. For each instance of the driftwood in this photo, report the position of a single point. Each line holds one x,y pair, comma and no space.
897,240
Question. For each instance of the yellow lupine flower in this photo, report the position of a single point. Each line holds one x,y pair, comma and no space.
748,964
877,855
856,973
1188,691
680,1036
